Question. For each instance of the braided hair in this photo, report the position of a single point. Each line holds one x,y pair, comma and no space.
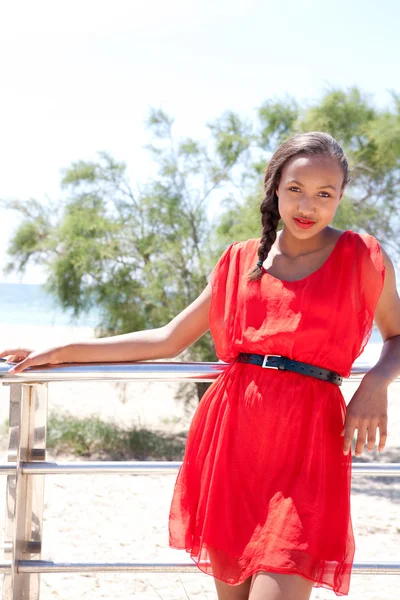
312,143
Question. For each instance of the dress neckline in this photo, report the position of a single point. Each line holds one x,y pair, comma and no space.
307,277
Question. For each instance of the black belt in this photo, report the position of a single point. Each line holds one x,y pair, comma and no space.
271,361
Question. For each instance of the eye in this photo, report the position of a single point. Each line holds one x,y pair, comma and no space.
295,189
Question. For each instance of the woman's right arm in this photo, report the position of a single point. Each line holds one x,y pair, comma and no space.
150,344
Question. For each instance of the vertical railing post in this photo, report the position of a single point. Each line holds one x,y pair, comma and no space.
24,493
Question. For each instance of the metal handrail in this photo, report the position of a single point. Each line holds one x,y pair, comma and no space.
26,467
128,467
111,371
47,566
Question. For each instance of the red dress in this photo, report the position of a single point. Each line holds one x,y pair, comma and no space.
264,484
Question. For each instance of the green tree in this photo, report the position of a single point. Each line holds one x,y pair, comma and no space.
139,256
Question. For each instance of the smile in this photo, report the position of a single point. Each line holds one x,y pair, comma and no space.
303,223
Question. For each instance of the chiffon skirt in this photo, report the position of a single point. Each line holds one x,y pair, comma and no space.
264,484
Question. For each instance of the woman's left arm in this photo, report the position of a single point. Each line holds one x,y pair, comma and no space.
367,410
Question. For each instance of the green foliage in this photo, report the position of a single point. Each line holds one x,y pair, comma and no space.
232,136
343,115
278,121
92,436
159,123
139,257
32,240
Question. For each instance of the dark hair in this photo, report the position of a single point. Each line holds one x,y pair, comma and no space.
312,143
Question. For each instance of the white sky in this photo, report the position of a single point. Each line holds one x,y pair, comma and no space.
80,76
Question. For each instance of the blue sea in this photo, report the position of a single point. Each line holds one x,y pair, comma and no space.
28,304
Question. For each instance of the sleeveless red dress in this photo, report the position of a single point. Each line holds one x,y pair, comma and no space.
264,484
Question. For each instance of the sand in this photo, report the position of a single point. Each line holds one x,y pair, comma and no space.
120,518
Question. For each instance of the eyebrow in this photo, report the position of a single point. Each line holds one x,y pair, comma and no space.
322,186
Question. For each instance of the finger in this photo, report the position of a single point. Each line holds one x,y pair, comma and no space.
361,438
15,353
348,437
382,433
11,356
20,366
7,353
14,358
31,361
371,436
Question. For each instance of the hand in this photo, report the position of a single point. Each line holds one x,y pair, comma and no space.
31,358
366,411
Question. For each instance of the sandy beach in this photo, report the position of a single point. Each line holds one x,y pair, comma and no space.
124,517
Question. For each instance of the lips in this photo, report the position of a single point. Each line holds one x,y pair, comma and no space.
305,221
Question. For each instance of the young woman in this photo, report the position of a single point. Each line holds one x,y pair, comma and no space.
262,499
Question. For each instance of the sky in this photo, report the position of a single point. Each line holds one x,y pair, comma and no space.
80,77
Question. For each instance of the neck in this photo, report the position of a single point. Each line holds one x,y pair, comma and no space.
291,246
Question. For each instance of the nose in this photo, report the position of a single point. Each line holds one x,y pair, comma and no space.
306,205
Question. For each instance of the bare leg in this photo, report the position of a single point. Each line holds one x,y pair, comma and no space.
225,591
279,586
232,592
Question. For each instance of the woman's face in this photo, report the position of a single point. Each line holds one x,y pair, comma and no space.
309,188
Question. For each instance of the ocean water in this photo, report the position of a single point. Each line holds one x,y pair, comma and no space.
28,304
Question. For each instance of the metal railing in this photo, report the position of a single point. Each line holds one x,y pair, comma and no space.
26,467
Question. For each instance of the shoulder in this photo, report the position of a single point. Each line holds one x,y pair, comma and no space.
243,244
373,264
371,247
235,255
240,247
363,239
228,260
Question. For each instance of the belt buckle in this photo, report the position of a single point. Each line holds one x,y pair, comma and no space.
266,357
